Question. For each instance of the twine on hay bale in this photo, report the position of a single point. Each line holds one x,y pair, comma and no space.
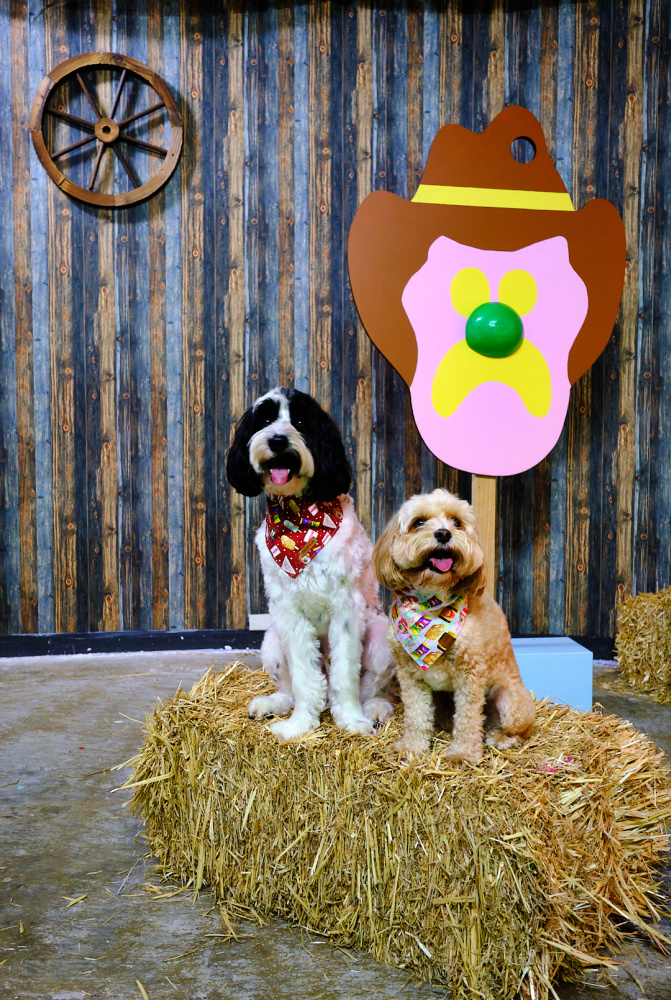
486,879
643,643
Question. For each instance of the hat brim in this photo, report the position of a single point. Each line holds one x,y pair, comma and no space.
389,241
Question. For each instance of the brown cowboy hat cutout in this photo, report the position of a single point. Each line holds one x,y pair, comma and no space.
488,292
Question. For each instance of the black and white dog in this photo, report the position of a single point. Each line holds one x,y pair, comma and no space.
316,562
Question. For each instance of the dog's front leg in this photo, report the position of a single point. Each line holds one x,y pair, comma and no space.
418,713
467,729
275,664
301,647
345,634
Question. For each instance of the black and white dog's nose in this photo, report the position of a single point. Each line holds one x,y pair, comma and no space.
278,443
442,535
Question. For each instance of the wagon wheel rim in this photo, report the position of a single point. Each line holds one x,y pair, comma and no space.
104,132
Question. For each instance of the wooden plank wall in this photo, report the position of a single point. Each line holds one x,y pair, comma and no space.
132,341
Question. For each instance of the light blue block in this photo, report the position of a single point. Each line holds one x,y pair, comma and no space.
557,668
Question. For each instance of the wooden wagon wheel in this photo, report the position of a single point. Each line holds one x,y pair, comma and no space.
105,133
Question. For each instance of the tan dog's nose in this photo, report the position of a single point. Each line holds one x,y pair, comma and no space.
442,535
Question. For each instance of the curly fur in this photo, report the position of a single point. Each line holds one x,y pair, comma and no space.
331,611
481,664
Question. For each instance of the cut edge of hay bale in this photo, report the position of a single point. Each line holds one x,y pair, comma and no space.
643,644
486,878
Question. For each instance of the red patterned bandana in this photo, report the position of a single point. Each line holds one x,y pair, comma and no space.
297,528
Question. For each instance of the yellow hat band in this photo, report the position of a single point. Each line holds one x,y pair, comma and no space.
478,197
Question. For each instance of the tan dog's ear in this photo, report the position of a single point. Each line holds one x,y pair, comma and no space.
384,567
474,584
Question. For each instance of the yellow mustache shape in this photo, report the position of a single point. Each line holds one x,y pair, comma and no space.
462,370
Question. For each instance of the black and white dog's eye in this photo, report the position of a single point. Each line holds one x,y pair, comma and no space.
298,424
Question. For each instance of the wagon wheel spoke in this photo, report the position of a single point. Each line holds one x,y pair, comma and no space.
118,93
124,164
143,145
82,122
75,145
96,164
141,114
88,96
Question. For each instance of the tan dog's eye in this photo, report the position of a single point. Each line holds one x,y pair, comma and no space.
417,523
457,523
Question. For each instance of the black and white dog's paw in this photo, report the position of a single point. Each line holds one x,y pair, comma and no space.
277,703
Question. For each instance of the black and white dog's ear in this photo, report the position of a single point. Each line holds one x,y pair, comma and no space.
239,470
332,474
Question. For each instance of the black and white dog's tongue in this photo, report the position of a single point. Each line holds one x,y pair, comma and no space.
279,476
442,565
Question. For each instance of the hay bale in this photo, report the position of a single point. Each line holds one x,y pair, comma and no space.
486,879
643,643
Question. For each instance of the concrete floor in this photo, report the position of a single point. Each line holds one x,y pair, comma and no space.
79,913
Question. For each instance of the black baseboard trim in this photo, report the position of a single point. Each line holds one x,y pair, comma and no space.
69,643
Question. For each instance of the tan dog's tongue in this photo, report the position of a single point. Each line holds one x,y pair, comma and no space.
442,565
279,476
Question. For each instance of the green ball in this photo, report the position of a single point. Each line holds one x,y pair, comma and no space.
494,329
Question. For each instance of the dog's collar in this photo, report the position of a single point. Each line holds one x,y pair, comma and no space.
297,528
425,626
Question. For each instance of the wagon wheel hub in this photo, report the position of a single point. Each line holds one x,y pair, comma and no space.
106,130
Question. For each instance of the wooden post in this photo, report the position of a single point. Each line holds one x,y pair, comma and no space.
484,501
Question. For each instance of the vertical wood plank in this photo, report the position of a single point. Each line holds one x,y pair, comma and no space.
455,34
452,47
605,373
320,195
39,183
659,555
23,319
286,181
564,163
364,142
10,558
139,265
542,525
632,115
193,326
347,309
649,340
65,423
160,534
414,99
174,336
580,559
221,228
236,604
337,250
302,274
104,470
89,318
255,358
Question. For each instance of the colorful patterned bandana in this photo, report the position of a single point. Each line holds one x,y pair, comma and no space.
425,626
297,528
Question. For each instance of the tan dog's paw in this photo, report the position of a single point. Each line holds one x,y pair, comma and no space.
503,742
463,753
408,748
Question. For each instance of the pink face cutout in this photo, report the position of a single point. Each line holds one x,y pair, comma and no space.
485,414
